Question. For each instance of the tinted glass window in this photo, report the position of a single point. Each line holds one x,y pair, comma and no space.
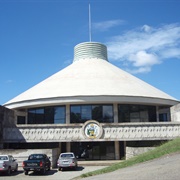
75,114
59,115
136,113
97,113
21,120
47,115
32,116
82,113
86,112
108,113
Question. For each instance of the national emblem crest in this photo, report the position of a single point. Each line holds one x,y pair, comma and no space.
92,129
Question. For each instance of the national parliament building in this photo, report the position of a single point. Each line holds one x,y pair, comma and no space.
90,106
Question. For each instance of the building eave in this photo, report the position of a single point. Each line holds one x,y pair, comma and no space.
89,100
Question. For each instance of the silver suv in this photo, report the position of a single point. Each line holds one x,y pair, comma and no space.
67,160
8,164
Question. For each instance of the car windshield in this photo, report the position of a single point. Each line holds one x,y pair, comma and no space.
36,156
3,158
67,155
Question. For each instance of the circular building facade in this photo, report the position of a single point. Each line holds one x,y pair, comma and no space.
92,93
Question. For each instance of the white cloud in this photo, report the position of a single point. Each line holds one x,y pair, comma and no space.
142,58
146,28
139,70
171,53
106,25
146,46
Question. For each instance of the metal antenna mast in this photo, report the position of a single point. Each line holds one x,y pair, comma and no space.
89,23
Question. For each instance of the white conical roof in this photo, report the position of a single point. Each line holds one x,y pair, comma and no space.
90,79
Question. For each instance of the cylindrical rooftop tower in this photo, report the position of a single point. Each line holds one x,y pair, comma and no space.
90,50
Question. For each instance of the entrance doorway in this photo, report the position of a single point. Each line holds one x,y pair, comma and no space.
94,150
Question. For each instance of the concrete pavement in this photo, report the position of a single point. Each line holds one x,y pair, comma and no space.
53,174
164,168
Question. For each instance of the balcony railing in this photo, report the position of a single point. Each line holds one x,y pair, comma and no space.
74,132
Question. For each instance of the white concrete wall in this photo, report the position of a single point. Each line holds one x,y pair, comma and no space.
175,113
134,151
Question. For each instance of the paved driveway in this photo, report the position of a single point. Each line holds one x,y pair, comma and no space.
164,168
53,174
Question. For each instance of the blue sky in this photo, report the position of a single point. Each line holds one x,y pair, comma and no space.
37,39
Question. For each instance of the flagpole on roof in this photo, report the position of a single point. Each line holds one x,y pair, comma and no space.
89,23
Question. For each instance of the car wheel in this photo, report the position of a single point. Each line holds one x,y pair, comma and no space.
9,171
43,171
75,167
59,169
26,172
16,169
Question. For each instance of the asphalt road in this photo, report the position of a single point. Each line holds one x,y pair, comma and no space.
164,168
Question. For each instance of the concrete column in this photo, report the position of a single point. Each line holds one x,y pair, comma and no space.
125,149
68,146
169,116
15,119
59,147
115,113
117,151
67,114
157,113
26,117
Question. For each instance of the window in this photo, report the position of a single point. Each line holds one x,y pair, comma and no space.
59,115
86,112
163,117
82,113
47,115
108,113
136,113
35,116
32,116
97,112
75,114
94,150
21,120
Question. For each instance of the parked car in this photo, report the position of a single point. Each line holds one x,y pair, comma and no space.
67,160
37,162
8,164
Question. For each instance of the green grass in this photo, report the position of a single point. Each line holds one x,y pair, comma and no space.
166,148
